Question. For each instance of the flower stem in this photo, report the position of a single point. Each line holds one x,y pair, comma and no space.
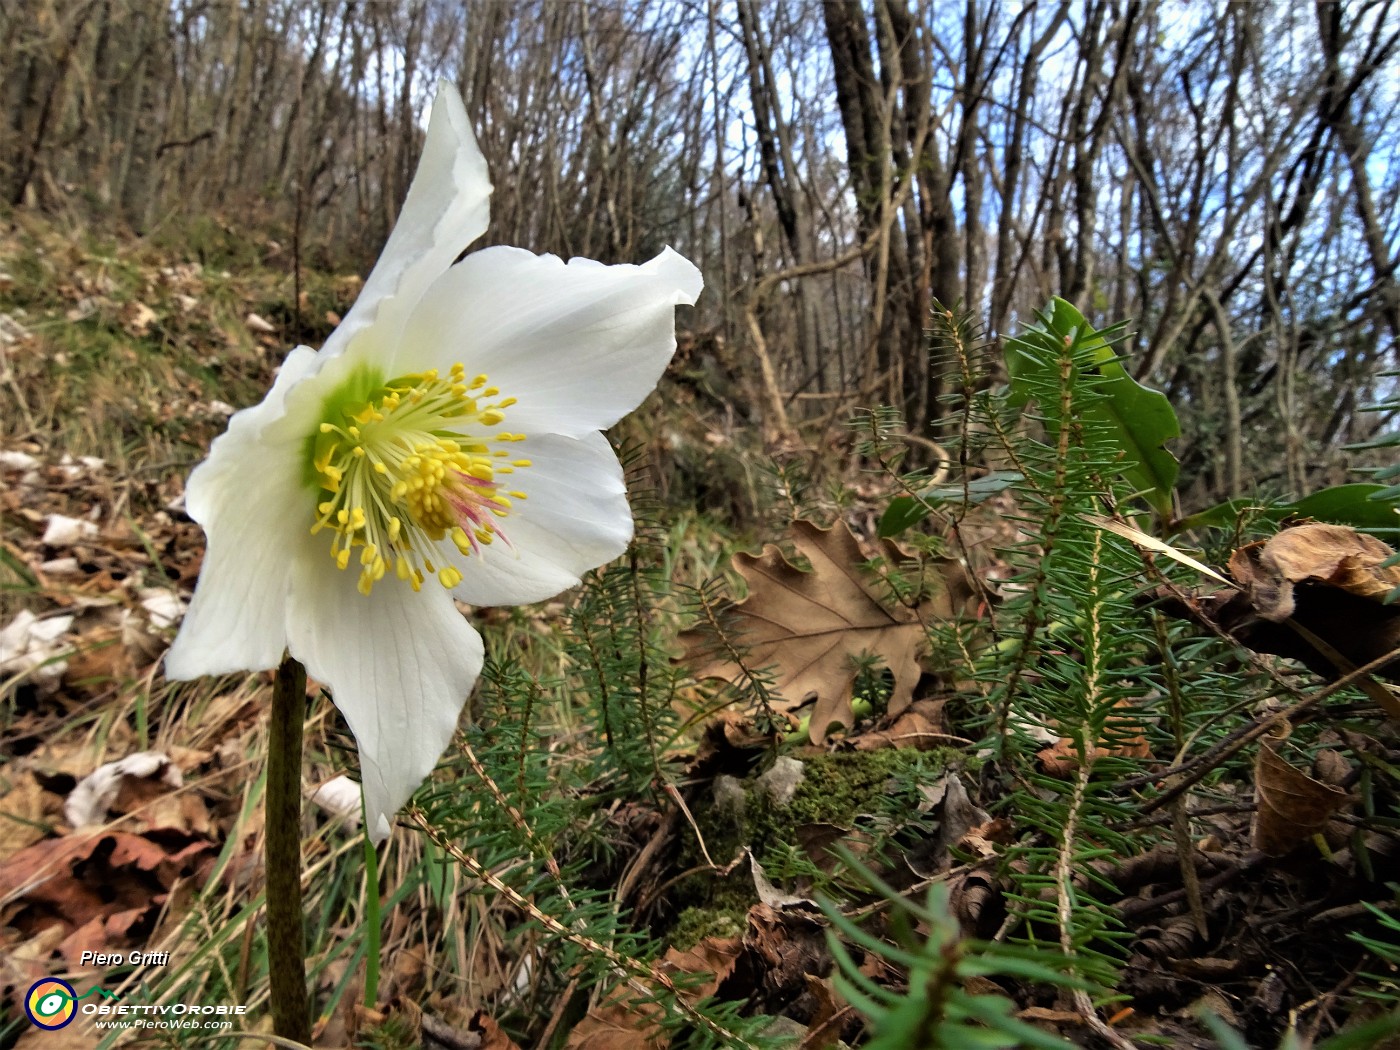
372,917
286,938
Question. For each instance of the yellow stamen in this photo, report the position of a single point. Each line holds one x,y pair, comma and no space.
408,467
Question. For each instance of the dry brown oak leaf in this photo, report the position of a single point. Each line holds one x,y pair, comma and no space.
809,627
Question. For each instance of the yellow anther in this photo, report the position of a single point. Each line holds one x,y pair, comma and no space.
410,467
461,541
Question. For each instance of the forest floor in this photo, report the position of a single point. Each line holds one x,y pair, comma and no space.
121,360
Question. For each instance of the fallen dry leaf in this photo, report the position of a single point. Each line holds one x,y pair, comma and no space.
63,531
23,811
137,318
29,644
91,800
921,726
98,888
491,1035
627,1021
1334,555
810,626
1329,580
1293,807
339,797
1128,740
786,945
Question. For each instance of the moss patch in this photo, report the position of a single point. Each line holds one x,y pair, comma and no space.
695,924
836,789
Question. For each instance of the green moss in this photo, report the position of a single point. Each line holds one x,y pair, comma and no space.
695,924
835,789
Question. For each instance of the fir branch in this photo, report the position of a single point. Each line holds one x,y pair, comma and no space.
1087,745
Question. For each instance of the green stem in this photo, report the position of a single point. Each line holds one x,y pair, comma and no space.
372,919
286,937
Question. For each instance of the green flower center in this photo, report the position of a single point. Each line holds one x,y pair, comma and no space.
404,464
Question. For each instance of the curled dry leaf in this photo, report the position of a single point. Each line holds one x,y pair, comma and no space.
1293,806
1127,739
164,608
1333,556
922,726
63,531
1314,593
20,462
340,797
810,626
137,318
29,645
492,1036
255,323
90,802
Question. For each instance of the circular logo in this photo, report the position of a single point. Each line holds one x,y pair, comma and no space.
51,1003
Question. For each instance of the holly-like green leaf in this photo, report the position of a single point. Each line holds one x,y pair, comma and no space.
1141,420
1365,506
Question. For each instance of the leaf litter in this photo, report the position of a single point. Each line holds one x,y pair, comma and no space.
107,831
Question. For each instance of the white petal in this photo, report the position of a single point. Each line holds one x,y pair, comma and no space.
251,498
399,666
575,518
579,345
447,207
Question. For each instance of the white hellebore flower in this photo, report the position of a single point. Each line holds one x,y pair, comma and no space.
444,443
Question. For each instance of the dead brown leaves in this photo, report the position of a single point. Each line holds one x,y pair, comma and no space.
630,1020
104,891
1314,593
811,626
1292,806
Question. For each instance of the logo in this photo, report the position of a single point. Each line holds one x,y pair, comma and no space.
51,1004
